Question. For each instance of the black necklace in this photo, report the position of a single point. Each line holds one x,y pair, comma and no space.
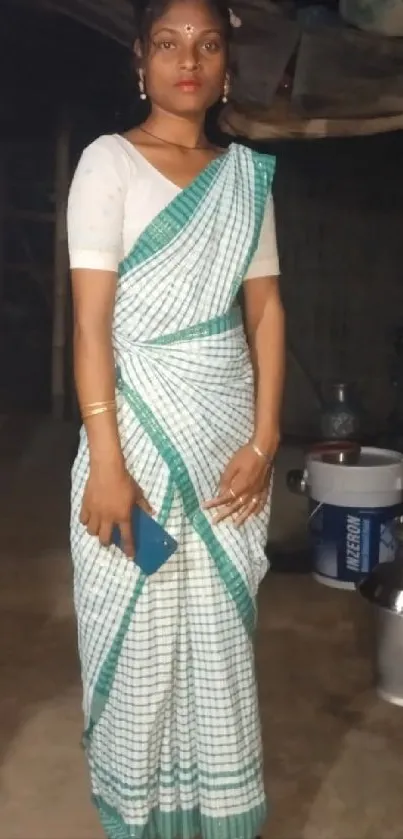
171,143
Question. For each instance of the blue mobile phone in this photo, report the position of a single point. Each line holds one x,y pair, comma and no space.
153,545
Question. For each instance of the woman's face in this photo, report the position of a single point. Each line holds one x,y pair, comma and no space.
185,61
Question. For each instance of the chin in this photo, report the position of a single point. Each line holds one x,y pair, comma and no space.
189,111
188,105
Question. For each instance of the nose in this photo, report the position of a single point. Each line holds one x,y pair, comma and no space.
189,59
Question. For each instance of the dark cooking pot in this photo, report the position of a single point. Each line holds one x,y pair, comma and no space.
344,453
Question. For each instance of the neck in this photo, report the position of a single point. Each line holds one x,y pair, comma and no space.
185,131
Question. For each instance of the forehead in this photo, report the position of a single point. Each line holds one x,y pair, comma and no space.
184,12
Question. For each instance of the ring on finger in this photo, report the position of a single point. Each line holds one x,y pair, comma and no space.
240,507
255,500
232,493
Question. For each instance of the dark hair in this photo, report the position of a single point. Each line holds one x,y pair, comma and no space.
147,12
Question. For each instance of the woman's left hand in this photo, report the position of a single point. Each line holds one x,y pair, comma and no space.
244,487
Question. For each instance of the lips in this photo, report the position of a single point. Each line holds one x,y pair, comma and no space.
188,85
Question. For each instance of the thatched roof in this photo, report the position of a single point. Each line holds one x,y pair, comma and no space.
113,18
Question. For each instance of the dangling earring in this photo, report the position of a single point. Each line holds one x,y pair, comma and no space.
142,88
227,88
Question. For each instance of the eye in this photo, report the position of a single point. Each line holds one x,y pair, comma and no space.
211,46
165,45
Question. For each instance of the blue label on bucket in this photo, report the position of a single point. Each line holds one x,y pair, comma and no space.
348,543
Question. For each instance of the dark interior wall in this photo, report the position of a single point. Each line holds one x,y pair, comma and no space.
54,69
339,207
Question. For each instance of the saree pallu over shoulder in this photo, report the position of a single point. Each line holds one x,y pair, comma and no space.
172,725
207,234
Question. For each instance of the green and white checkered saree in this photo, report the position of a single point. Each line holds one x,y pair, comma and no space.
172,724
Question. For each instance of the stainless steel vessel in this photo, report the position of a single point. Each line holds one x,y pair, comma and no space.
383,588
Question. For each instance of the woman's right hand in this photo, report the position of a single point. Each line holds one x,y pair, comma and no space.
109,497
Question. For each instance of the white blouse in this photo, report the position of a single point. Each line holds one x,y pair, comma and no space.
116,193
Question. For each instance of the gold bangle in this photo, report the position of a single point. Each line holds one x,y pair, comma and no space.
103,409
99,404
259,452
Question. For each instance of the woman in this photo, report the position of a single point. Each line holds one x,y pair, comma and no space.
163,230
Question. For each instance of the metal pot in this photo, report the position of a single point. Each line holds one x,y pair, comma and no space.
333,451
383,589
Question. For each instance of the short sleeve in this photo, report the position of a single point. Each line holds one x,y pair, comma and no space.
265,261
95,212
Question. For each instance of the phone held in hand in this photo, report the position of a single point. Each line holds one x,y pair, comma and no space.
153,545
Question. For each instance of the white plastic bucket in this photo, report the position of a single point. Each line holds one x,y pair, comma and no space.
352,511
